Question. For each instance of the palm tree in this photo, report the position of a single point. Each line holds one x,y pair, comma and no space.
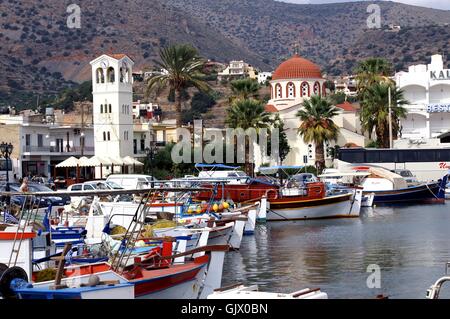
183,66
317,125
244,89
247,114
371,71
375,111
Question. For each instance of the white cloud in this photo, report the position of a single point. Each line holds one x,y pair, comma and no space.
437,4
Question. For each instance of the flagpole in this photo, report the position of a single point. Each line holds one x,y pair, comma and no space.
390,118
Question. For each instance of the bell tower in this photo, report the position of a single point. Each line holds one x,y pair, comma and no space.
112,90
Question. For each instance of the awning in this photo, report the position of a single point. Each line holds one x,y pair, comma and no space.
84,162
70,162
128,160
96,161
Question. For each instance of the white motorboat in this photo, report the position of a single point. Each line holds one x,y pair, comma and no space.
252,292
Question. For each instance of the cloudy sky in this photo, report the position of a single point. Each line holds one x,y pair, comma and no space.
437,4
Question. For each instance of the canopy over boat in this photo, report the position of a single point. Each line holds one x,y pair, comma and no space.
277,167
221,166
342,174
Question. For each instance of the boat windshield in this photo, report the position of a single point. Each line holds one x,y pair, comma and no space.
113,185
406,174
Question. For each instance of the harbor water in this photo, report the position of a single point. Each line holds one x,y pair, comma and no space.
410,244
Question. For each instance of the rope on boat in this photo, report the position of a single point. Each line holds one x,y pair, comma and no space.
432,191
268,209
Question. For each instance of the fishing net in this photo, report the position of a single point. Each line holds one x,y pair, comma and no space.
148,229
45,275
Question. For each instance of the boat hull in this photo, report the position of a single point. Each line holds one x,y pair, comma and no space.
421,193
328,207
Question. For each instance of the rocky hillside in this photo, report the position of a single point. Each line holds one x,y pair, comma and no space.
41,55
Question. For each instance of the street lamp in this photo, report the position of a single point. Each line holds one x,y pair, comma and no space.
6,150
150,156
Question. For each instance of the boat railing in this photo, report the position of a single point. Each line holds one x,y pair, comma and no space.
105,192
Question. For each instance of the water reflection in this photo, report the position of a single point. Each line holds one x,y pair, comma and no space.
410,244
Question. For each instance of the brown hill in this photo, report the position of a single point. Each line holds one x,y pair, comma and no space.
40,54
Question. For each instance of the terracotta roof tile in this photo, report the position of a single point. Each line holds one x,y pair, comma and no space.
347,106
271,108
297,67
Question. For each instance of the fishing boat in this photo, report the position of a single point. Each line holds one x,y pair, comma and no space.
338,182
302,196
389,187
156,277
240,291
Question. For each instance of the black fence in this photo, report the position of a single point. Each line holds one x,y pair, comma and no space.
362,155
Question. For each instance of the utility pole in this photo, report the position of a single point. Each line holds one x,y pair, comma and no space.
390,118
82,129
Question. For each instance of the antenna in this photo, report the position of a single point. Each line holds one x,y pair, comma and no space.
296,48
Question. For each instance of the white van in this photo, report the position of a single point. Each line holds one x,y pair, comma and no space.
132,181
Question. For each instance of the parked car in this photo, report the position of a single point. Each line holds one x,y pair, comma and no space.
44,181
407,175
104,185
132,181
57,200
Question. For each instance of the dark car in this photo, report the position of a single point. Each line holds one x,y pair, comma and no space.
43,201
57,200
44,181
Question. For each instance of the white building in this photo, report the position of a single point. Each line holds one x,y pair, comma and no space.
112,90
427,88
41,143
263,77
295,80
236,70
346,85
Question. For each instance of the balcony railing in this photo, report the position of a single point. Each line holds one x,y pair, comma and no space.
54,149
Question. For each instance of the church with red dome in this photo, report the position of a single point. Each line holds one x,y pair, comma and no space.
295,80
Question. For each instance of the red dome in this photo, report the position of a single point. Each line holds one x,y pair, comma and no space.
297,67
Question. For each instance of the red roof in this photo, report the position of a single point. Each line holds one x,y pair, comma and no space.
297,67
116,56
347,106
270,108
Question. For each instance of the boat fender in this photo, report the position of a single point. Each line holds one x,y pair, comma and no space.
271,194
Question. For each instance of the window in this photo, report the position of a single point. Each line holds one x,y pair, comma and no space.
316,88
135,146
104,136
324,89
290,90
142,144
76,188
89,187
27,139
109,136
278,91
110,109
110,75
305,89
100,76
40,140
101,108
